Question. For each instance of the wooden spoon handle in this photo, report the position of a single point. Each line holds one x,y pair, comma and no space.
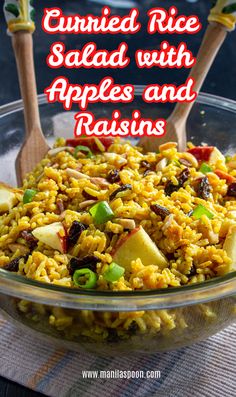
22,42
212,42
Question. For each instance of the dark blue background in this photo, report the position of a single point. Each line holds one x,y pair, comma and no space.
221,79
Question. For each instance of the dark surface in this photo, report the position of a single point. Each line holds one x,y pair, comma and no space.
11,389
221,79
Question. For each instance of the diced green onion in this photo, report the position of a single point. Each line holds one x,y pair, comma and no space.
85,278
114,272
228,159
205,168
200,210
85,149
101,213
29,195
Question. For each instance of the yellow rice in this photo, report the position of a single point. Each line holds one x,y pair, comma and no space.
185,241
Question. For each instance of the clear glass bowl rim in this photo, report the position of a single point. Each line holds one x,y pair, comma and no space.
20,287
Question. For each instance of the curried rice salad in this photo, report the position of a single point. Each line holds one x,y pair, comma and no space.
100,214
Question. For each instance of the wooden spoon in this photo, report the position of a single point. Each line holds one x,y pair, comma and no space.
176,123
35,147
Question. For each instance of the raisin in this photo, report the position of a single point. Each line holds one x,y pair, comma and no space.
171,188
112,336
232,190
13,266
193,271
182,178
185,162
170,256
145,164
75,231
30,239
123,188
110,235
133,328
146,172
113,176
159,210
149,167
204,188
73,265
89,262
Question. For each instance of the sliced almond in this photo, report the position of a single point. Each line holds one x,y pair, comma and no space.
100,182
55,151
162,164
87,203
126,223
168,222
213,237
115,158
76,174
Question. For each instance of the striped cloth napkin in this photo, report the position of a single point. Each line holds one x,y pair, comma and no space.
205,369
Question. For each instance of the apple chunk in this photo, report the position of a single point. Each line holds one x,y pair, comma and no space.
230,245
207,153
216,156
7,198
136,245
202,153
53,235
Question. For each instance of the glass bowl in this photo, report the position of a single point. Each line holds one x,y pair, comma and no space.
103,322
